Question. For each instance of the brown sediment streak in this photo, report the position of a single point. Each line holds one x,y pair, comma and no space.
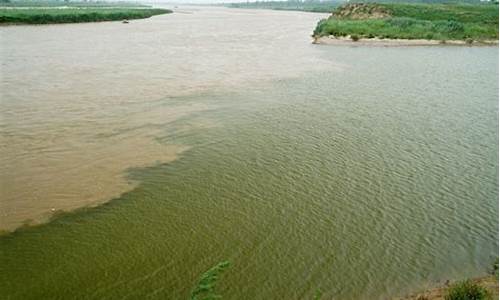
72,174
79,158
83,103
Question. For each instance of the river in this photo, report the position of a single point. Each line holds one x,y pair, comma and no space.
136,156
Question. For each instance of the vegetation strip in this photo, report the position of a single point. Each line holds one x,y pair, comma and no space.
45,15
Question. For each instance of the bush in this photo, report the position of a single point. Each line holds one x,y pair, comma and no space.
467,290
448,26
355,37
494,269
320,27
402,22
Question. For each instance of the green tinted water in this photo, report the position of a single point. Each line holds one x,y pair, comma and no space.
366,182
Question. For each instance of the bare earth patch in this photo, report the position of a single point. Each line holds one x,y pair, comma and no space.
361,11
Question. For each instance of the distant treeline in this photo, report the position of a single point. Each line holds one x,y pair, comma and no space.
329,5
311,6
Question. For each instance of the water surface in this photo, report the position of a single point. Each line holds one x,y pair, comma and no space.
82,103
364,172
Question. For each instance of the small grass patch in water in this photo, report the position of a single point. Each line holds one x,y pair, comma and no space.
205,288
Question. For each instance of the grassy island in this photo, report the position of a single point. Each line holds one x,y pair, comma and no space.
50,12
466,22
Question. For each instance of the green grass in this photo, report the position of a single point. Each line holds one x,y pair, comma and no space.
418,21
205,288
466,13
74,15
467,290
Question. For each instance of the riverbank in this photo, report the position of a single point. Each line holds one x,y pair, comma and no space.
57,15
489,283
381,42
433,23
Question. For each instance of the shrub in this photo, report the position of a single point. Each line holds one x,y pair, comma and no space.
494,268
355,37
320,27
467,290
402,22
448,26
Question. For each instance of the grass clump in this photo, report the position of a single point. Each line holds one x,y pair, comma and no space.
494,269
205,288
413,21
74,15
317,295
467,290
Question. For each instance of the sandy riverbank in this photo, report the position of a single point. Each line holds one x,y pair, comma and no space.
332,40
